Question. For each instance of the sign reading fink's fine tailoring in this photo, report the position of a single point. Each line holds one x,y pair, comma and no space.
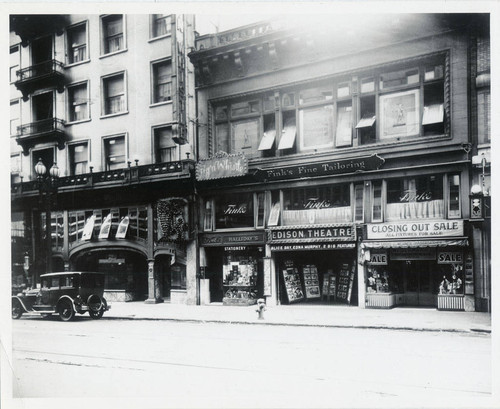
414,230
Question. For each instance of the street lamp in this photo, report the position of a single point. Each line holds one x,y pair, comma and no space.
47,185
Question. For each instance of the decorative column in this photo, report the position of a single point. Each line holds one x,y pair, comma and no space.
153,285
363,254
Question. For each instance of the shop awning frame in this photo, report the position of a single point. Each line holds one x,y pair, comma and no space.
406,244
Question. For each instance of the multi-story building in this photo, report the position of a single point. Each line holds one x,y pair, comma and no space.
101,150
335,161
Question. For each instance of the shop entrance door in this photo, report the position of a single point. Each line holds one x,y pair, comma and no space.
418,283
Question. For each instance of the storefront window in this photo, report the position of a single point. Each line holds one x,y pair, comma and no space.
260,210
359,203
377,201
234,211
317,205
454,196
178,273
57,229
415,198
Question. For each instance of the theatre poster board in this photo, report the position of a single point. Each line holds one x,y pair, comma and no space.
293,285
345,283
311,281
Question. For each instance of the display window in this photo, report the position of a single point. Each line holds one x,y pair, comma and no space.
419,197
234,211
319,205
318,277
418,274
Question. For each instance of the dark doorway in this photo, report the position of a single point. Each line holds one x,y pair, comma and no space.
41,50
213,271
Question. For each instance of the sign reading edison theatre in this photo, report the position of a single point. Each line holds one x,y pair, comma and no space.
411,230
312,234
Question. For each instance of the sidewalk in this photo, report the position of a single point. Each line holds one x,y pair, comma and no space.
416,319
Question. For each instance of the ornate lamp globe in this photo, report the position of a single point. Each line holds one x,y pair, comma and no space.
40,168
54,171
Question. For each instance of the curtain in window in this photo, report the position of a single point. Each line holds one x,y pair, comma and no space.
165,145
77,43
317,216
78,101
113,26
432,209
115,98
163,81
115,153
161,25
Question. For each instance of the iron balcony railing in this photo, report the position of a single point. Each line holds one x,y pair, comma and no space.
44,69
40,127
131,174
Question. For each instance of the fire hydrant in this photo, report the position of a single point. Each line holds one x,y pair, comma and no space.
261,307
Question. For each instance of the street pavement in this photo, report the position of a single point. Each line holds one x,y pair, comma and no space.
416,319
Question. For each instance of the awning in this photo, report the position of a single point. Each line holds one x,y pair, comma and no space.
366,122
405,244
433,114
267,140
288,135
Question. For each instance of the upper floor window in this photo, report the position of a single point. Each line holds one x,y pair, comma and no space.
161,25
409,103
15,168
113,90
78,158
113,35
15,61
114,152
165,148
162,81
15,116
398,103
78,102
77,43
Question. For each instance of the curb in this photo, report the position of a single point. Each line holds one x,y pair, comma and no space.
293,324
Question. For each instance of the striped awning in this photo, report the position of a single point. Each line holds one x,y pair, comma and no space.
408,244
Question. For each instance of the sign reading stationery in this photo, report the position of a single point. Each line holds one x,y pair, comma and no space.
222,165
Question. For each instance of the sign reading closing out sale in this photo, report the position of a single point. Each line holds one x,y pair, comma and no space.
413,230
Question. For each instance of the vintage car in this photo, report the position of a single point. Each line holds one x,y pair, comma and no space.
65,294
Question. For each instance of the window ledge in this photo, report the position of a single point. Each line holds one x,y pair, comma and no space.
155,104
74,64
113,115
152,40
114,53
78,122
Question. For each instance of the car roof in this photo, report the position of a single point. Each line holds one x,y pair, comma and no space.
65,273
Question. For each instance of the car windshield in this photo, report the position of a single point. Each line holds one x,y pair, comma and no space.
92,280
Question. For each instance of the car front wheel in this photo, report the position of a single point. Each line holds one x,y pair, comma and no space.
17,309
66,312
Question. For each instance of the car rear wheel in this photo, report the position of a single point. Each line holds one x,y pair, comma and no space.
17,309
66,312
